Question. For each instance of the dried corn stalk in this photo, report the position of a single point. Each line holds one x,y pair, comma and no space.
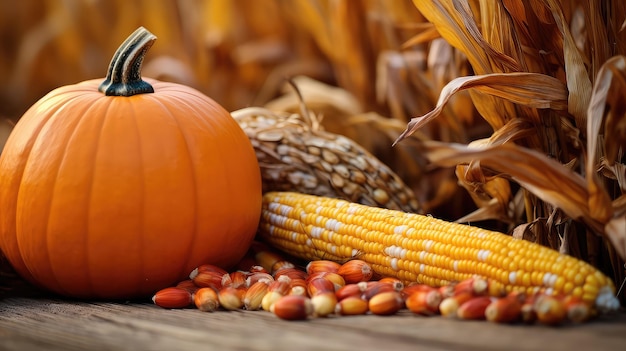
295,154
548,84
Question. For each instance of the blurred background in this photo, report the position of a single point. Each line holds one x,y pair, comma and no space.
238,52
360,72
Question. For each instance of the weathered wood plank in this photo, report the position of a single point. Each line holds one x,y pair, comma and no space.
51,324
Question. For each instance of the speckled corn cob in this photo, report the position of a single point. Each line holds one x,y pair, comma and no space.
295,154
417,248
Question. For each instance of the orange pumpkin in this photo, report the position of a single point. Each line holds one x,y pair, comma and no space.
118,194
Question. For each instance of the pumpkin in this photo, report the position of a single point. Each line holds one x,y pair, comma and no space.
114,190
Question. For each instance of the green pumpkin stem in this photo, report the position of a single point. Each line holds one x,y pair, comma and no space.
124,75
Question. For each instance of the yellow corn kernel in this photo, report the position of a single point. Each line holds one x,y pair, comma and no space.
418,248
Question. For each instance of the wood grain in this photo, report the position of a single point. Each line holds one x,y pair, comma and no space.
57,324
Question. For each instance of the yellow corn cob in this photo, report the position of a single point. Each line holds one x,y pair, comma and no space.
417,248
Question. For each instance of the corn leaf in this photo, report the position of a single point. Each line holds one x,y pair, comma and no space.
528,89
455,22
491,194
490,11
545,177
427,35
608,95
607,92
578,82
452,27
615,231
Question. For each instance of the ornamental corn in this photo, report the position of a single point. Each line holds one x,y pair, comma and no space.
296,154
417,248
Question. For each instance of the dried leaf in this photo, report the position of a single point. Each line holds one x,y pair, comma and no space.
616,232
513,130
524,232
613,75
427,35
596,29
611,79
439,59
619,205
615,171
535,231
320,97
544,177
451,26
491,194
529,89
500,61
578,82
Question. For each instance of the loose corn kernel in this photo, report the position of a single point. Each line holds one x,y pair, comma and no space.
352,305
319,285
322,266
351,290
231,298
206,300
173,297
355,271
236,279
291,272
474,308
207,268
424,302
254,295
188,285
209,279
335,278
258,276
504,310
376,287
324,304
293,307
550,310
449,306
386,303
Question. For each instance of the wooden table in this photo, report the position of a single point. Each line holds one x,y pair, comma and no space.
38,323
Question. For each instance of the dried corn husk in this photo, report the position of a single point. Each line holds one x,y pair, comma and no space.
295,154
340,113
547,83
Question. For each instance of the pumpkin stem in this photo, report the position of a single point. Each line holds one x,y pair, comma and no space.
124,75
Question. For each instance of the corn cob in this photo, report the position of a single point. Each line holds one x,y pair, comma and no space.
296,154
418,248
